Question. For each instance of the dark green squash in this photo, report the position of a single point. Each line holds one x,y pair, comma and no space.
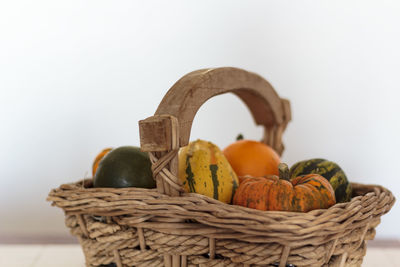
125,166
330,171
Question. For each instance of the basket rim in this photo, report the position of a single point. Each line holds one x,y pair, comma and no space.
136,206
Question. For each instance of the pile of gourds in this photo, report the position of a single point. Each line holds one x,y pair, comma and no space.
249,173
246,173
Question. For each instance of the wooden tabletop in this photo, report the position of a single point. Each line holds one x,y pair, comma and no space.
71,256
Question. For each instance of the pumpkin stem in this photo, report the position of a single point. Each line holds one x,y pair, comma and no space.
239,137
284,171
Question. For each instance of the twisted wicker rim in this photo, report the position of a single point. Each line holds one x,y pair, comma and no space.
137,206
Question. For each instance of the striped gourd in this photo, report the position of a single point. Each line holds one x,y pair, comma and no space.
330,171
204,169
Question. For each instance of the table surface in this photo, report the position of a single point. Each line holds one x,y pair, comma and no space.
71,255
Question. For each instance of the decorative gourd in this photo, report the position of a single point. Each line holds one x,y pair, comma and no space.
329,170
125,166
99,157
248,157
300,194
204,169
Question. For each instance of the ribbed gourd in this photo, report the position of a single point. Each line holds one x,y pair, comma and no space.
204,169
330,171
301,194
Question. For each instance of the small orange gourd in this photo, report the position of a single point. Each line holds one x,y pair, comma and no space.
98,158
248,157
301,194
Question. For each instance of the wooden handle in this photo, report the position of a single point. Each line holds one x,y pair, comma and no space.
170,127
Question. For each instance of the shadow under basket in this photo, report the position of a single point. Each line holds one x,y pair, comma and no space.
168,227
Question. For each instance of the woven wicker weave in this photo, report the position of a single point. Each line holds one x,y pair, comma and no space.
167,227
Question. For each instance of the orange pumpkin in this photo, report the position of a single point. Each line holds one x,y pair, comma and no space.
301,194
252,158
98,158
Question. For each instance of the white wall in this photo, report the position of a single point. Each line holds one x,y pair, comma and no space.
76,76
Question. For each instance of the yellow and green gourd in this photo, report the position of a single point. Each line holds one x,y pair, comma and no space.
330,171
203,169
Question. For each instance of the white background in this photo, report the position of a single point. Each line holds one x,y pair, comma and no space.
76,76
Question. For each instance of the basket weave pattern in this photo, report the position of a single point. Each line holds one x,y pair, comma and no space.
168,227
135,230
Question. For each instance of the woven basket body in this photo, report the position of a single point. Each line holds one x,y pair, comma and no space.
168,227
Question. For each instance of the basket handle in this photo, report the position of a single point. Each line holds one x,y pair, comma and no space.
169,129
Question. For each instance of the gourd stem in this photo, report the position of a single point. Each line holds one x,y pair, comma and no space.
239,137
284,171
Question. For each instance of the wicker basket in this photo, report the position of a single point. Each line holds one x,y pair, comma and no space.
167,227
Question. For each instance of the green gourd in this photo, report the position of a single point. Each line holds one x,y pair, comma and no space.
330,171
124,166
